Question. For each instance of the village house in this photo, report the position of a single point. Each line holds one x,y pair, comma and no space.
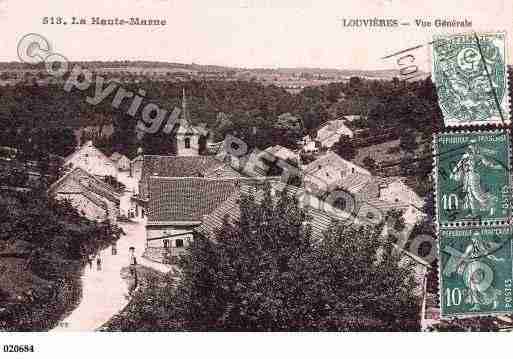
121,161
282,153
92,160
331,171
327,136
91,196
393,189
308,144
176,206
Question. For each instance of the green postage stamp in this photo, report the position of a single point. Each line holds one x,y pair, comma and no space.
469,71
472,178
476,272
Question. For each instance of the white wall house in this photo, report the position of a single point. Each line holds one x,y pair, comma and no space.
122,162
398,191
92,160
309,144
330,133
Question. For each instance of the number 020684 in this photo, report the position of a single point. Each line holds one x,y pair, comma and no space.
25,348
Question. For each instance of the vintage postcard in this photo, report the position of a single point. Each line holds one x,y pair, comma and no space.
253,166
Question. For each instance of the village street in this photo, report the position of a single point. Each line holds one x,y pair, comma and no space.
104,291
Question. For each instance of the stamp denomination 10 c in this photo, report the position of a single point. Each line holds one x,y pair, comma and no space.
472,178
476,273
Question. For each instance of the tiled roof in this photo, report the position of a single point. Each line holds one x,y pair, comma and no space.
281,152
320,216
91,183
331,158
320,219
354,182
382,206
385,181
214,148
186,199
183,166
98,202
332,128
104,190
178,166
368,190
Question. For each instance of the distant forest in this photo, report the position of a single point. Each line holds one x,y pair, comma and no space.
10,66
43,116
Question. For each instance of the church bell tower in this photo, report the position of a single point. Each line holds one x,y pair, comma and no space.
187,137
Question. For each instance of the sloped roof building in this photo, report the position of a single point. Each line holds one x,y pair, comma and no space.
88,194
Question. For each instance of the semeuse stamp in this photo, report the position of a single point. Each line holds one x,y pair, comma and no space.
469,71
472,178
476,272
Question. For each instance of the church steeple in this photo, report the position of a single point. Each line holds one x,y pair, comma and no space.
187,137
185,111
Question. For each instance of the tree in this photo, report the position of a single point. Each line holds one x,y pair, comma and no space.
344,147
369,163
407,141
407,166
263,273
394,217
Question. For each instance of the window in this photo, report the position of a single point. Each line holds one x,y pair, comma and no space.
179,243
187,142
166,243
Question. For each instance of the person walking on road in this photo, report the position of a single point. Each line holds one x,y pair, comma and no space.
98,263
132,260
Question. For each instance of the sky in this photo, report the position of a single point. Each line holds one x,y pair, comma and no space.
246,33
